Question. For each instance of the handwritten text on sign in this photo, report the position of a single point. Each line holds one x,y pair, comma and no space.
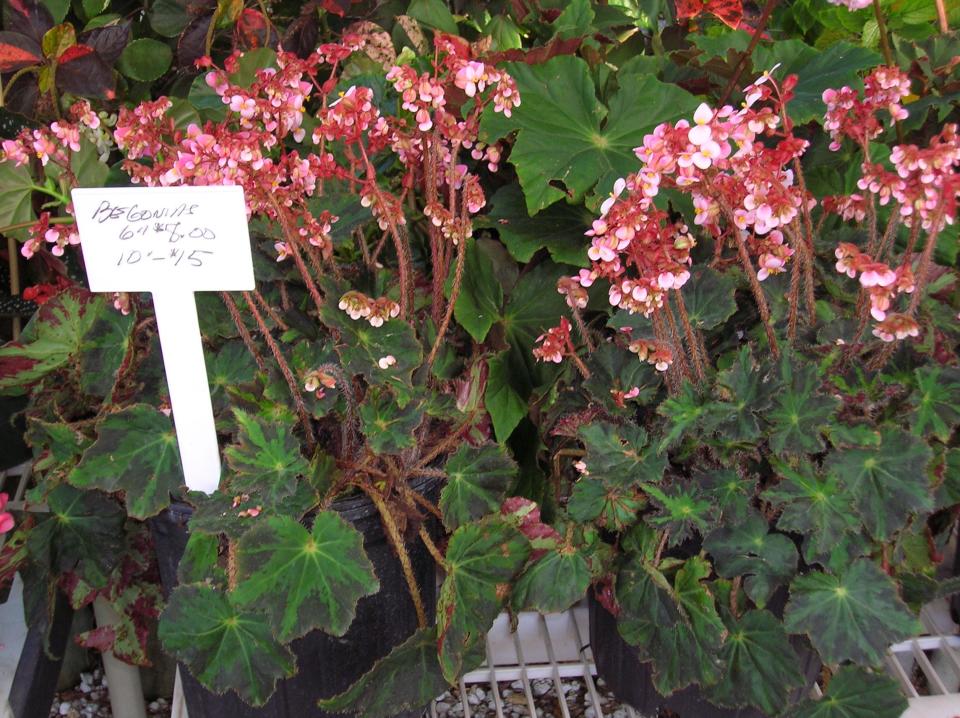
138,239
172,241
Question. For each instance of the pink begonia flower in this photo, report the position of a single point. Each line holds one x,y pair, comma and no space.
6,518
618,188
701,132
852,5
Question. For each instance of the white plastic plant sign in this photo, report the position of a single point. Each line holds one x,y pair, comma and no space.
172,242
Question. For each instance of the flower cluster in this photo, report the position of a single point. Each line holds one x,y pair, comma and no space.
58,236
881,283
6,518
376,311
850,115
652,352
555,343
318,380
852,5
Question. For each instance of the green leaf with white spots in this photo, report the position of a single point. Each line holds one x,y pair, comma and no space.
674,624
303,579
224,646
856,693
818,508
408,678
265,459
482,560
937,398
477,481
799,412
135,453
852,616
888,483
388,426
760,667
767,560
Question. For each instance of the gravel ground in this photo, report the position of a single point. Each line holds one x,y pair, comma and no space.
90,699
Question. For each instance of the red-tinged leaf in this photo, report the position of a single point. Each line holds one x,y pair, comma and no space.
193,41
337,7
18,51
730,12
108,41
82,71
11,366
27,17
538,55
301,36
100,638
58,40
253,31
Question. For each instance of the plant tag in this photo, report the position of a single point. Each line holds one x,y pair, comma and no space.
172,242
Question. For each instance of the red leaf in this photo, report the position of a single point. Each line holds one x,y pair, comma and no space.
101,638
18,51
730,12
82,71
301,36
11,366
253,30
538,55
29,18
337,7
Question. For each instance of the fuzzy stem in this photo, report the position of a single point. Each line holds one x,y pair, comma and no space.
692,339
889,233
582,328
680,353
286,371
352,427
448,443
660,332
887,53
942,16
291,238
432,548
757,294
393,533
271,312
241,327
232,570
454,295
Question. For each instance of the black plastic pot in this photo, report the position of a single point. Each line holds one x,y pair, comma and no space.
326,665
632,681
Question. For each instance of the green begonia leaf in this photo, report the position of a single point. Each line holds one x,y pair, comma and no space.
619,455
567,136
677,627
559,228
709,298
612,507
83,533
304,579
480,298
614,368
71,323
748,393
888,483
948,492
136,453
482,558
16,192
855,693
552,583
853,616
223,646
689,412
799,410
684,511
229,367
407,678
200,560
768,560
760,667
729,492
818,508
502,402
937,398
477,481
389,428
265,460
838,65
